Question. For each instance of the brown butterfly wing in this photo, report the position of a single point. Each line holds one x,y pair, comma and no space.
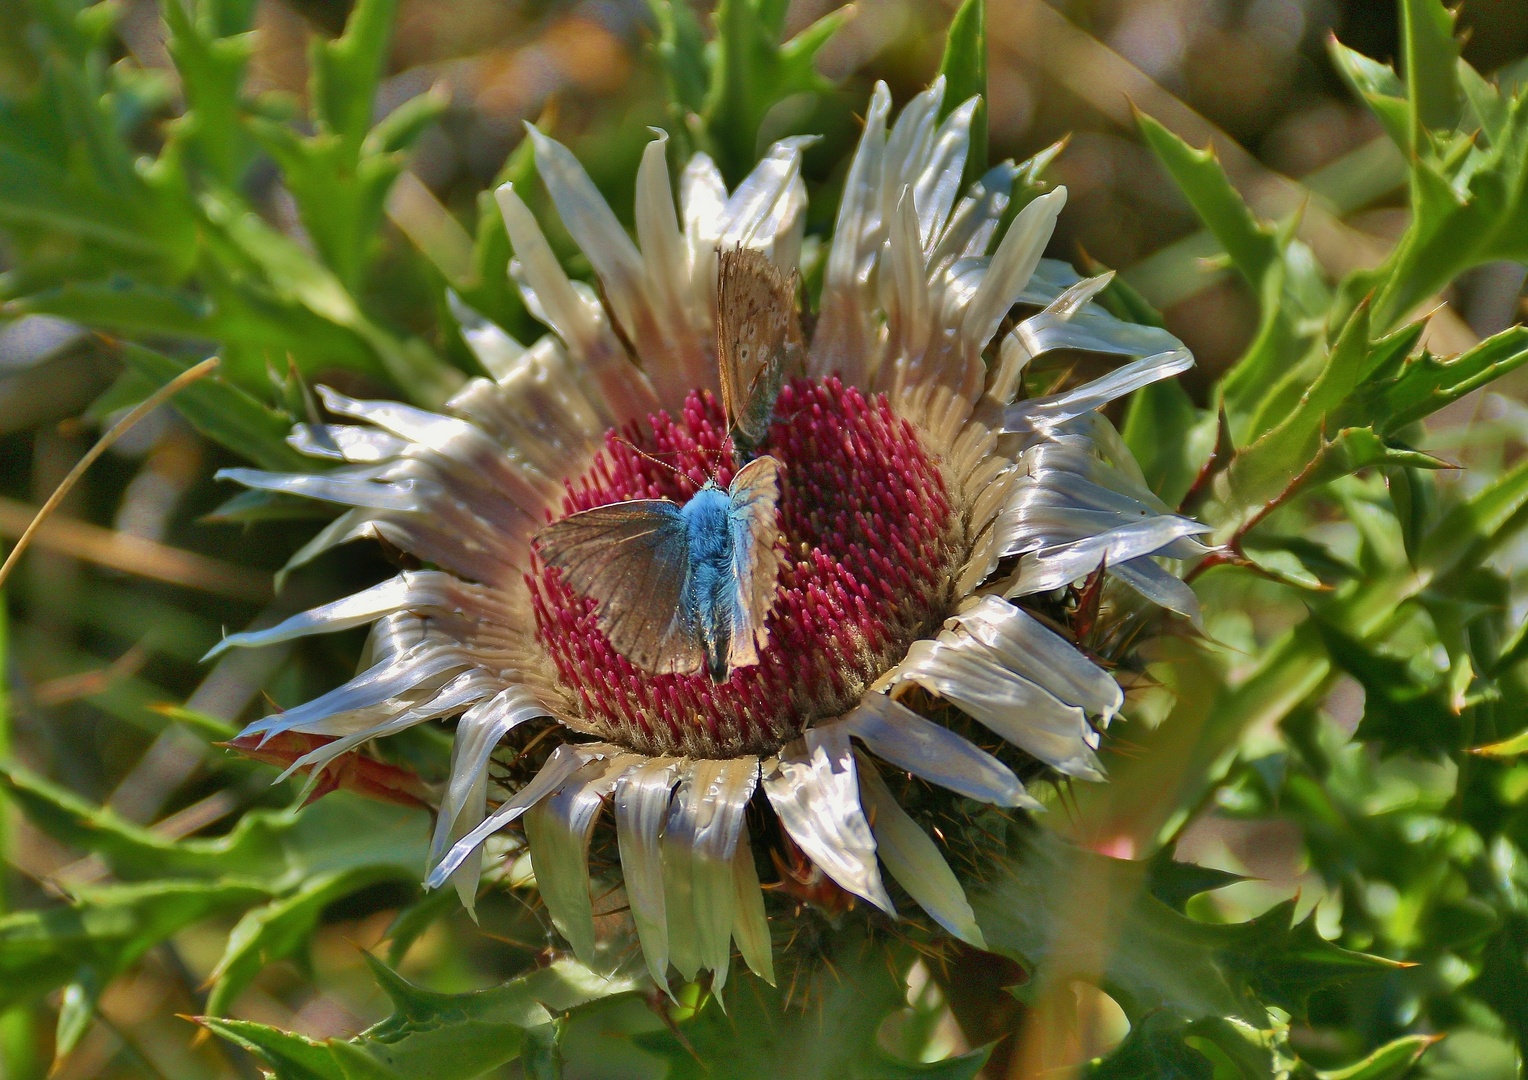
758,333
754,495
631,559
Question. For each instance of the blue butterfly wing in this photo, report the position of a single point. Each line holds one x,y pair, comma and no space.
631,559
754,496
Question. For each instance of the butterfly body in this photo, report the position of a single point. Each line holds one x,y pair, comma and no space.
678,588
710,595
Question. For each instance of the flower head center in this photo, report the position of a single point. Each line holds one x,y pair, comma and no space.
870,550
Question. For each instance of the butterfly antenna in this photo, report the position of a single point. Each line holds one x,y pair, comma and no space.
643,453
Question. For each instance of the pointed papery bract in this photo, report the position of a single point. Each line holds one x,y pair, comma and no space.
1051,568
495,350
905,295
907,740
346,442
974,221
914,860
1042,656
357,609
767,204
938,184
459,692
1012,264
600,236
843,343
703,204
564,762
750,926
558,829
622,388
462,807
667,267
964,671
1058,408
382,682
684,928
700,838
1160,587
908,146
641,807
814,790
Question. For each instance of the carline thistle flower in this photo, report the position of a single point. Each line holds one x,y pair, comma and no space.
917,500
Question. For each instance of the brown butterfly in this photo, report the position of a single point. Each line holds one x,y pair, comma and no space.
758,339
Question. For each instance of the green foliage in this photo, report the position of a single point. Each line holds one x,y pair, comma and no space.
832,1034
964,68
1161,960
1469,167
169,247
98,936
746,88
430,1036
280,868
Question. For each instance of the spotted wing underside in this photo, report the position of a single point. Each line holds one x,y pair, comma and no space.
631,559
755,494
758,334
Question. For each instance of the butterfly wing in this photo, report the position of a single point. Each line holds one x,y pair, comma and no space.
754,495
631,559
757,332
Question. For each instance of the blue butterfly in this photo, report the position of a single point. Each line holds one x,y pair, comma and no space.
678,588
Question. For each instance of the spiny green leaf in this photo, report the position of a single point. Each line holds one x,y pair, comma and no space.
1425,384
275,931
346,70
123,305
762,1036
1284,961
1291,294
291,1057
1251,245
430,1036
211,54
964,68
221,411
681,50
1266,470
1317,562
1469,202
1469,532
105,930
752,74
278,849
1175,883
241,237
1158,959
1432,82
1399,712
491,293
1390,1062
1379,86
76,1011
1361,448
1503,980
1154,1050
1485,101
